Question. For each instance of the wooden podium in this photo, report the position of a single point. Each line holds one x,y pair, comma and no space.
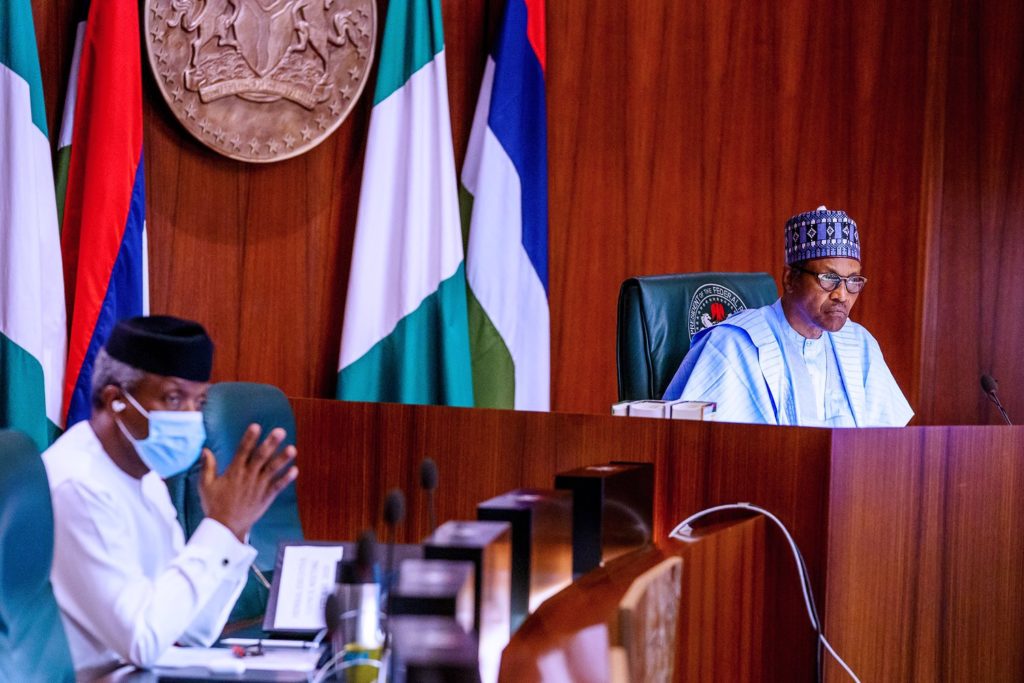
912,536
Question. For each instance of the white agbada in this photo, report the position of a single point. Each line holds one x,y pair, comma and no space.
127,585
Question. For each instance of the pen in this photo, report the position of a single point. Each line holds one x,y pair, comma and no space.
266,642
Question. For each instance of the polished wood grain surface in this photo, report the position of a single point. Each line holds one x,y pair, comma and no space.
926,558
724,580
974,320
911,536
483,453
351,454
568,637
681,136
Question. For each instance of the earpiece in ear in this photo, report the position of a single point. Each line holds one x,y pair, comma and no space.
118,406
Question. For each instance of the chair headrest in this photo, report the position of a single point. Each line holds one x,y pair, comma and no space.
26,522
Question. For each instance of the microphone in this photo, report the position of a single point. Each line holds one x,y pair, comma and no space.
989,385
352,610
366,549
428,482
394,512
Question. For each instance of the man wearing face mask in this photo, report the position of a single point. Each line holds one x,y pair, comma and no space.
128,585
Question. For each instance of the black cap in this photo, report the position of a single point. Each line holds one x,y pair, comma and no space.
163,345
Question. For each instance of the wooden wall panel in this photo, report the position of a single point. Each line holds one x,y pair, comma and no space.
351,454
911,536
567,638
936,510
588,212
256,252
974,317
55,22
718,121
681,136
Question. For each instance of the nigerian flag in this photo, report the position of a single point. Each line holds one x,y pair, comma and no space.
405,334
33,330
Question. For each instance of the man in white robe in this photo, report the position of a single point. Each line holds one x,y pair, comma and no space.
127,584
799,361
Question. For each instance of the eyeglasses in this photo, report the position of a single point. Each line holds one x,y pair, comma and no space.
830,281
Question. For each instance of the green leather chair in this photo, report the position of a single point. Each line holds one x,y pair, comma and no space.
659,314
33,646
230,408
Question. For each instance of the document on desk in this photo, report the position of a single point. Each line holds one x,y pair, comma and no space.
306,576
222,659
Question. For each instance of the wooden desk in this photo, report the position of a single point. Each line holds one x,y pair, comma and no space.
912,536
568,637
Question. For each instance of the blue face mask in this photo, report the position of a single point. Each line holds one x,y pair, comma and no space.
175,439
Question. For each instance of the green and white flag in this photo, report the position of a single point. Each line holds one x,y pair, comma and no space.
405,334
33,328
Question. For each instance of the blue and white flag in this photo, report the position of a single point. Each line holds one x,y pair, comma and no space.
505,204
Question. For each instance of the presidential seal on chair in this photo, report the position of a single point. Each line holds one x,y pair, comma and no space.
711,304
260,80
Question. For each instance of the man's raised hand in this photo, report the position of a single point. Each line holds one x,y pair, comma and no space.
240,496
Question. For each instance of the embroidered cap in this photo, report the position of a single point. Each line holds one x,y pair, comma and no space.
821,234
163,345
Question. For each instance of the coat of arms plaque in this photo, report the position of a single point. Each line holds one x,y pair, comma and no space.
260,80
